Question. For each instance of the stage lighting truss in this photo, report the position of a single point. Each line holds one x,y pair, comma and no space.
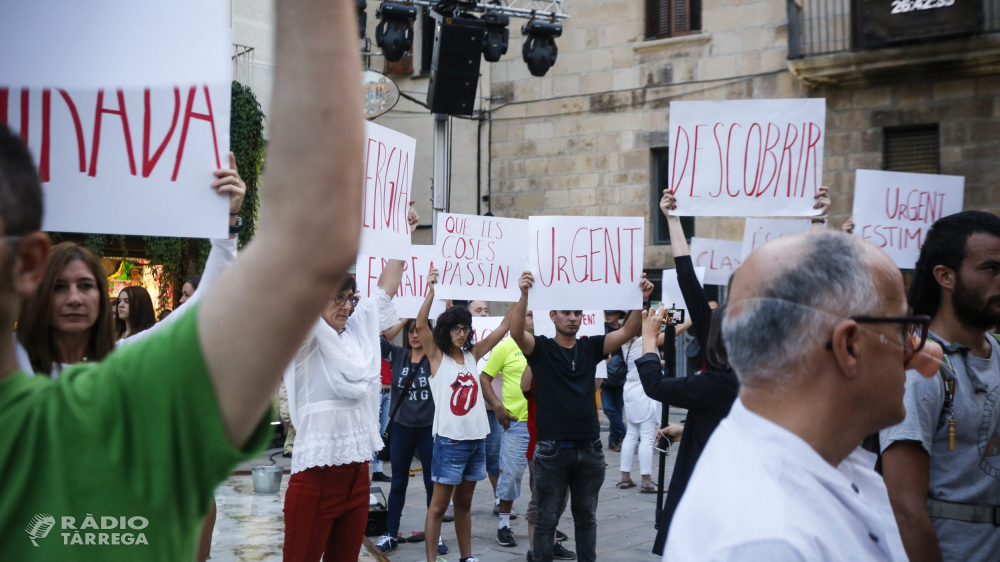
495,11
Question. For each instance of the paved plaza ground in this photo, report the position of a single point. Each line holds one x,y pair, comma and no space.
250,528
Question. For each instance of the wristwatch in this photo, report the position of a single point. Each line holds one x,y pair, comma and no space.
235,229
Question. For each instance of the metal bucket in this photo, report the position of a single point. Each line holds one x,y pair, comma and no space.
266,479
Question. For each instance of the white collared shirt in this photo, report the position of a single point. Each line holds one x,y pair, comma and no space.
759,492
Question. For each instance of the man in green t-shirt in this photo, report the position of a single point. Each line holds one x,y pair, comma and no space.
512,414
117,460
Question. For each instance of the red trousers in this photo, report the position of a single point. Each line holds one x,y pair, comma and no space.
326,511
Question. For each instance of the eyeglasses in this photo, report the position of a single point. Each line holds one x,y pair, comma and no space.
340,300
461,330
914,328
12,238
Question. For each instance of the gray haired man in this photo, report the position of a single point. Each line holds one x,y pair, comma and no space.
815,332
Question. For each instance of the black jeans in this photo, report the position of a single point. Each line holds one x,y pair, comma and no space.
613,403
405,440
580,468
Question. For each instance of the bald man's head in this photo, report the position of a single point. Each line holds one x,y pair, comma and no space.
788,293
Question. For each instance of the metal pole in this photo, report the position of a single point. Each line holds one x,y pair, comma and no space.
439,179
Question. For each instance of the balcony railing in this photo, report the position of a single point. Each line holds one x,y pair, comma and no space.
820,27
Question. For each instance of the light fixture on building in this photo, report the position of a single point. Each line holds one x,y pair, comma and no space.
497,34
394,33
539,49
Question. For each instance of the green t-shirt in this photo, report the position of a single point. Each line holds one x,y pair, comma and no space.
135,440
507,358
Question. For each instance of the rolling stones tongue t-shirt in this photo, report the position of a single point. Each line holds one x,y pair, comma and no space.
459,407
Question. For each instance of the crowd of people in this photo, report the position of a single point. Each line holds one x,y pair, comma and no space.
816,348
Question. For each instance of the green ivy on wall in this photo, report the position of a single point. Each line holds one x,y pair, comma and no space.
246,140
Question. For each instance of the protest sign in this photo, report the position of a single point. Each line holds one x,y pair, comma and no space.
577,263
672,296
747,157
720,258
124,144
894,210
592,324
483,326
758,232
482,257
412,287
387,190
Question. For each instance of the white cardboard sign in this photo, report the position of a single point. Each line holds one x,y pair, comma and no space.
592,325
720,258
484,326
583,262
389,162
126,125
758,232
672,296
482,257
894,210
747,157
412,287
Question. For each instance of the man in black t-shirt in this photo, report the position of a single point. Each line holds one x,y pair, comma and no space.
569,452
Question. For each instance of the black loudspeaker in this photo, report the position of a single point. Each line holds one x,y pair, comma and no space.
458,51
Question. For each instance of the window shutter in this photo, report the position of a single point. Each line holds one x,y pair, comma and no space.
695,15
682,18
657,19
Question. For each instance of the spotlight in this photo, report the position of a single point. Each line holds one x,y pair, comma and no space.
362,17
394,33
539,49
495,41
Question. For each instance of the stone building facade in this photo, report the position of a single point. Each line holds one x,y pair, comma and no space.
584,139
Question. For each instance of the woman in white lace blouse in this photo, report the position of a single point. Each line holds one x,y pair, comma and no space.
333,398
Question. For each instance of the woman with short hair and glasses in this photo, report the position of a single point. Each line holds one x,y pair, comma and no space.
334,385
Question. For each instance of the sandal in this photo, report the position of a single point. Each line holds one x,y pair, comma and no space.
650,489
625,484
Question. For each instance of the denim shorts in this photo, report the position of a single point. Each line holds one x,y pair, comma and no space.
455,461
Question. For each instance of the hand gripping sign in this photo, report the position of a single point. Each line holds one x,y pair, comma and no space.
747,157
127,125
894,210
482,257
389,161
585,262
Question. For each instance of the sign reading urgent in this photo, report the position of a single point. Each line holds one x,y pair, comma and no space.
582,262
894,210
757,232
128,124
482,257
747,157
720,258
389,161
412,287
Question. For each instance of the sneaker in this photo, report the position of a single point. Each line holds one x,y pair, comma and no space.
449,514
615,446
496,511
442,548
380,477
505,537
561,536
560,552
529,557
469,559
386,543
415,536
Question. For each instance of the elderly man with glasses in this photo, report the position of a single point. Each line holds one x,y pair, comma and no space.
817,329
